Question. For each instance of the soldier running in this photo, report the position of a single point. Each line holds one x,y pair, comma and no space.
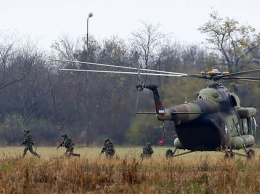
69,144
147,150
108,148
28,143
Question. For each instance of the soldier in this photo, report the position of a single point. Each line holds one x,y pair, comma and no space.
69,144
28,143
169,153
147,150
108,148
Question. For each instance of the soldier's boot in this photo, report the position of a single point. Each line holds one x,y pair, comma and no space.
35,154
24,152
73,154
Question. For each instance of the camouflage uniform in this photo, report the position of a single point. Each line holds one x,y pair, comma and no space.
69,144
28,142
169,153
108,148
147,150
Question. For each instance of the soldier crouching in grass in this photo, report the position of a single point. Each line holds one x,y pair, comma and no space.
69,145
108,148
147,151
28,143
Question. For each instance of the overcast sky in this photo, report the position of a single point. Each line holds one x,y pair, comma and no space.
46,20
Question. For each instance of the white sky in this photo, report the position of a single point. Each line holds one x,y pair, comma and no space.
46,20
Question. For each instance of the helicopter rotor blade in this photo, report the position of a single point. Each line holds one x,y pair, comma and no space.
247,80
231,75
122,67
227,76
253,79
243,73
125,72
140,71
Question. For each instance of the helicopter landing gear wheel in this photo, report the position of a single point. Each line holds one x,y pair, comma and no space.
169,153
250,154
229,155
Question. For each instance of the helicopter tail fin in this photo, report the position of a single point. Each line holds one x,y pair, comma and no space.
157,100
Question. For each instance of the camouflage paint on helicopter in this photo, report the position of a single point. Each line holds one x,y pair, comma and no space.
215,121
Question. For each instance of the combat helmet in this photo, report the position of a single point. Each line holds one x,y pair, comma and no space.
64,135
148,145
27,131
106,140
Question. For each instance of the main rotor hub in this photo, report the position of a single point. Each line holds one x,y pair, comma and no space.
214,75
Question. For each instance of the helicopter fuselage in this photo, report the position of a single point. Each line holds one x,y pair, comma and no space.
207,132
215,121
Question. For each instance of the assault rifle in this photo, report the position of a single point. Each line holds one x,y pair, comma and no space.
102,151
23,143
60,145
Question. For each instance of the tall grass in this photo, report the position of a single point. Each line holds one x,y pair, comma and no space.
127,173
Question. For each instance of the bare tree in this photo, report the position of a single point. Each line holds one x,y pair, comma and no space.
7,56
235,42
145,41
65,48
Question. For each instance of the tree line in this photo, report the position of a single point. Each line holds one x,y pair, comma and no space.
35,94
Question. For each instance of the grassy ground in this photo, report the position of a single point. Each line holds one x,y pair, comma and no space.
200,172
94,152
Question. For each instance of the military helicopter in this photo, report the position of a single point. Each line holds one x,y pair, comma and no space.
214,122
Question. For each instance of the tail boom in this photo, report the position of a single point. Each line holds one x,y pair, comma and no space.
157,100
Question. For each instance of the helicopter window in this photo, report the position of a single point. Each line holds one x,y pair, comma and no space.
254,126
254,123
239,129
226,129
232,100
251,125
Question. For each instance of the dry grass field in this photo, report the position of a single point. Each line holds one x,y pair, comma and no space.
201,172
